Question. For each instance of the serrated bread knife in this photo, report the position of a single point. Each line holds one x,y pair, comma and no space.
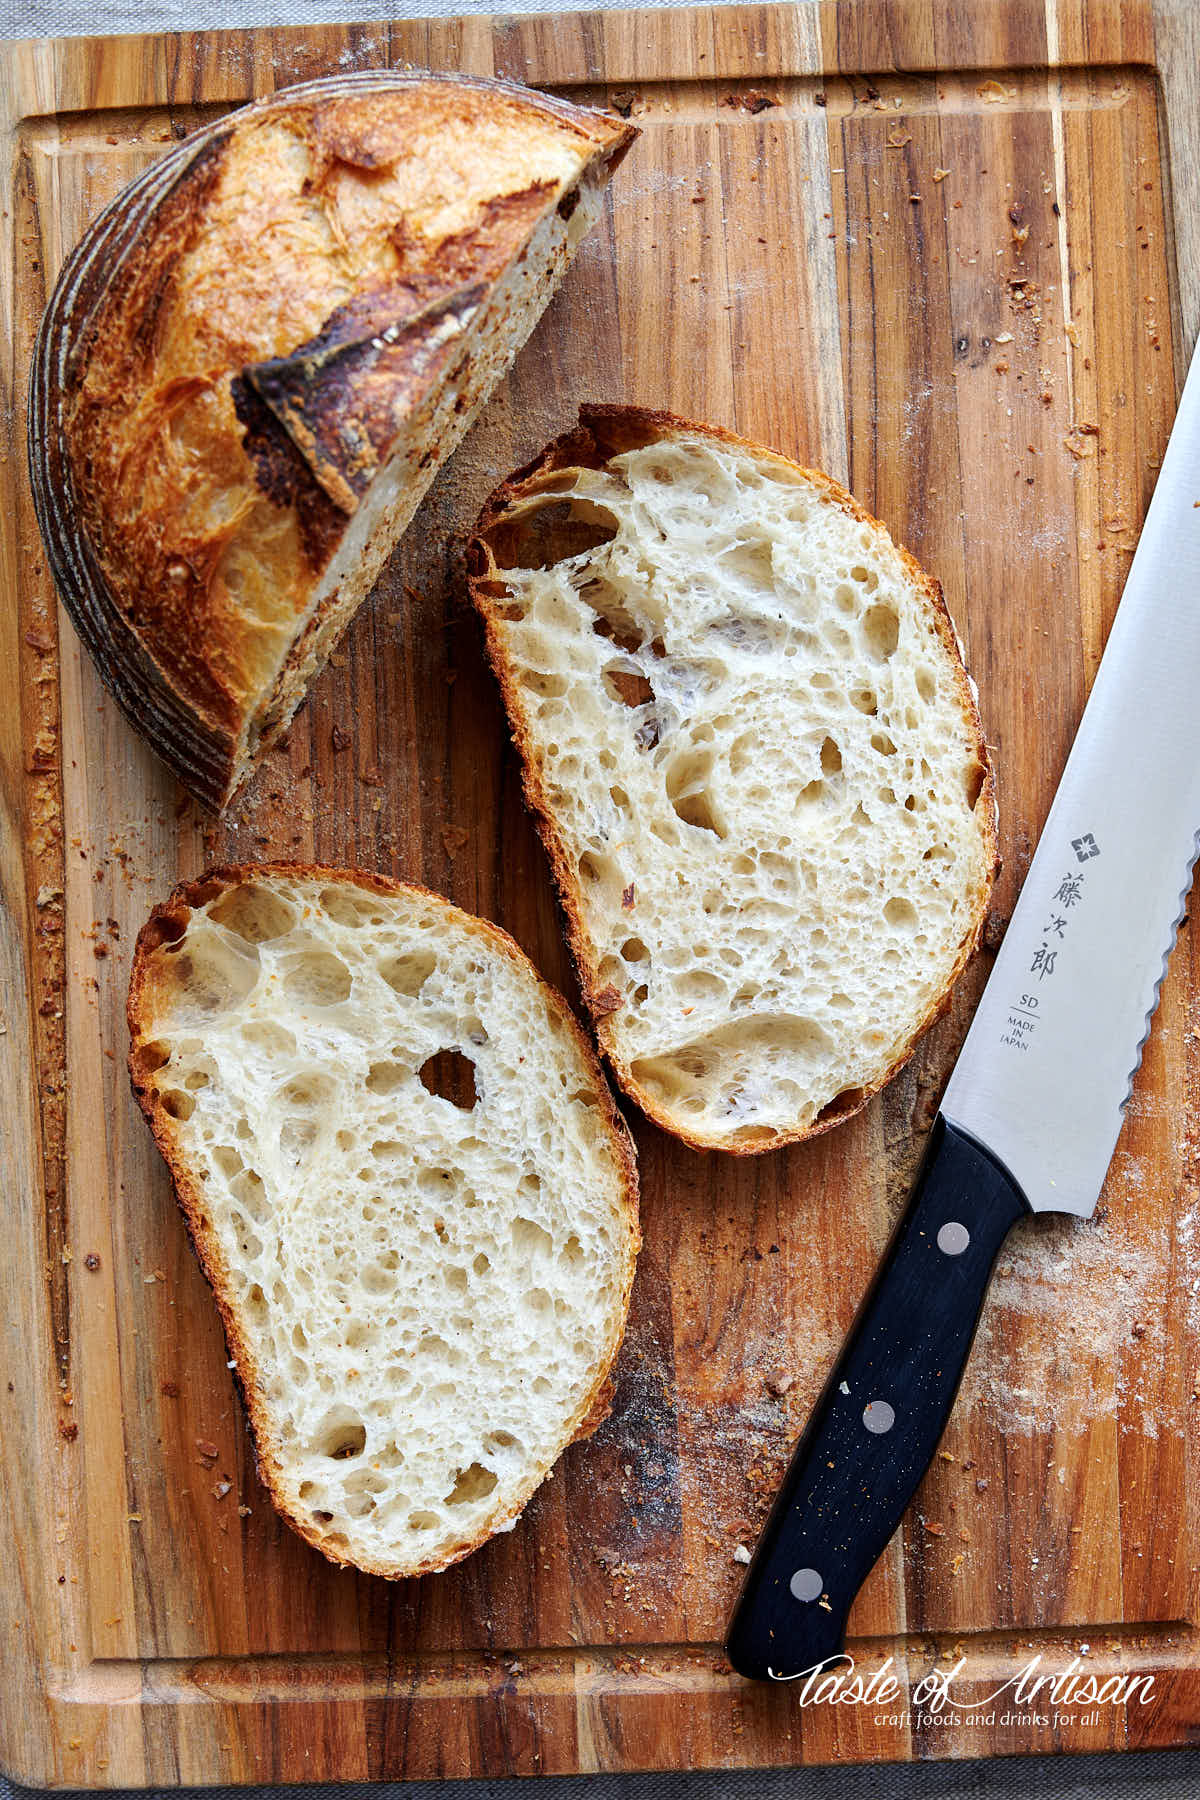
1031,1116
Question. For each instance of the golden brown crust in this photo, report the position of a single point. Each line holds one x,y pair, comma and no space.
247,335
166,923
603,432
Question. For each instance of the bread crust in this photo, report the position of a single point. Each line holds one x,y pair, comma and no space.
240,342
604,431
167,922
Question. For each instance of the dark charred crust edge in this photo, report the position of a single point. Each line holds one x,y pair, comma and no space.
604,431
302,401
166,924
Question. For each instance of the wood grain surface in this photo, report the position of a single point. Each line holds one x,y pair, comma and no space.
949,253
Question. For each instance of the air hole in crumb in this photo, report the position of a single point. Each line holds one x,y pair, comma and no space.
550,531
976,776
848,1101
450,1076
247,1188
863,699
341,1436
317,978
407,973
881,741
178,1104
253,913
152,1057
349,909
481,1265
634,951
271,1039
690,793
831,758
901,913
296,1138
601,871
529,1239
500,1440
699,984
881,631
626,684
386,1077
926,687
310,1092
545,685
470,1485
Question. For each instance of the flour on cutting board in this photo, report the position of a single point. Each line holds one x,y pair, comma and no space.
1099,1300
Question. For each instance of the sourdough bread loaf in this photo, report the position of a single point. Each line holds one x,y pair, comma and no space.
255,362
408,1186
756,763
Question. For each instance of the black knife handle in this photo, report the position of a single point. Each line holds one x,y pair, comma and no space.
873,1432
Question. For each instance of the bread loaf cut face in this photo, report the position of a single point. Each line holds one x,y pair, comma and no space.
407,1183
255,362
756,762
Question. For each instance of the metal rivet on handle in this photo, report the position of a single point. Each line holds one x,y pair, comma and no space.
953,1238
806,1584
878,1416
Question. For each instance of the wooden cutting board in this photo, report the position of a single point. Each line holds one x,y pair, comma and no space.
951,253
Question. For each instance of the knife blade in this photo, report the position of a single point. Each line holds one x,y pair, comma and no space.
1033,1109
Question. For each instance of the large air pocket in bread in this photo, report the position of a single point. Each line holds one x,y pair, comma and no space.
408,1186
756,762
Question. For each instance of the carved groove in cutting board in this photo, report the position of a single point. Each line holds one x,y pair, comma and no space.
820,325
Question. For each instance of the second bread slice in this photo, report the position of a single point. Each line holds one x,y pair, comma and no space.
408,1186
756,762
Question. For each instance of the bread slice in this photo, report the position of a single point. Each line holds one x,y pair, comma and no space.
408,1186
258,357
756,762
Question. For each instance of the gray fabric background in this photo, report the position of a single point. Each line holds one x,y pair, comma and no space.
1171,1775
1167,1775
